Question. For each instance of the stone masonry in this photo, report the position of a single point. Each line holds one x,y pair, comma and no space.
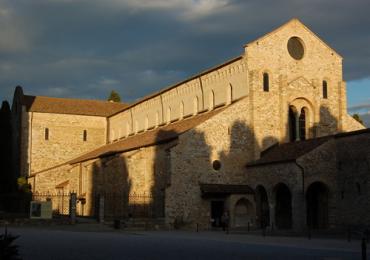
262,130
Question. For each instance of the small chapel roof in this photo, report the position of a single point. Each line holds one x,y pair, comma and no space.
289,152
71,106
224,189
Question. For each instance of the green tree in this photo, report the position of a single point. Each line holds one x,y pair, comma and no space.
114,96
358,118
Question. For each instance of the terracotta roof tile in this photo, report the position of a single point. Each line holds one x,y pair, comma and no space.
291,151
151,137
288,151
71,106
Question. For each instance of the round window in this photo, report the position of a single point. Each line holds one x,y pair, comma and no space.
295,48
216,165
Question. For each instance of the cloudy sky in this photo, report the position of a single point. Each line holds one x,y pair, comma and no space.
86,48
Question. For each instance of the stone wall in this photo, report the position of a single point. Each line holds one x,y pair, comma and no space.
65,140
225,137
292,80
138,176
353,180
217,87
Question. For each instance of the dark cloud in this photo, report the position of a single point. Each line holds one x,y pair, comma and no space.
84,48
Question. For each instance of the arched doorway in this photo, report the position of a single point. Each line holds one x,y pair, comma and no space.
317,196
283,206
243,213
262,207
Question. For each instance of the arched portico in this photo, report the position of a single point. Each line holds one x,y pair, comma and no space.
317,200
262,207
283,206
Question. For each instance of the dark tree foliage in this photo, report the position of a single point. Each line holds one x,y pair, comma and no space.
358,118
8,250
114,96
7,183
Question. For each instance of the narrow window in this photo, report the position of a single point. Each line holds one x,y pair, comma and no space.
85,135
168,115
266,83
229,97
181,110
195,106
324,89
292,124
46,133
302,125
211,100
146,123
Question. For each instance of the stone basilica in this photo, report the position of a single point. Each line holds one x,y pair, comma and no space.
265,136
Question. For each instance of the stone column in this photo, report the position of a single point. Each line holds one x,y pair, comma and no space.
298,211
272,214
72,207
101,209
298,114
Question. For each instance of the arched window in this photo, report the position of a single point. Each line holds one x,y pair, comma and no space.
195,106
292,124
146,123
266,82
168,115
85,136
136,126
302,124
46,134
229,95
211,100
181,110
324,89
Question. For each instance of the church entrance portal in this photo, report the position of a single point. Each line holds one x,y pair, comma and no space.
217,209
317,205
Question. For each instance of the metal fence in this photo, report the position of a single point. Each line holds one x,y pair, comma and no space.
118,205
60,201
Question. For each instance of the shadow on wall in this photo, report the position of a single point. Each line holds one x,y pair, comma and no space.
135,183
328,123
178,174
243,144
109,179
161,170
300,127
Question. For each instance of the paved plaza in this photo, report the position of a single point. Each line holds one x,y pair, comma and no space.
105,243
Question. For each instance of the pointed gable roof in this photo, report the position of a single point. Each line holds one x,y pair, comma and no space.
71,106
290,23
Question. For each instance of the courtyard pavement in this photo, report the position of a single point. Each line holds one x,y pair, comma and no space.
94,241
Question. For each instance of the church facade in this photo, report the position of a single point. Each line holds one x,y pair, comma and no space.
265,136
